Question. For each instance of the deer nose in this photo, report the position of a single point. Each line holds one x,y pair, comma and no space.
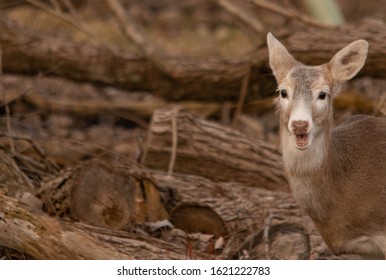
300,127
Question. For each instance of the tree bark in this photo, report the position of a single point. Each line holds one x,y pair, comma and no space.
197,206
14,183
252,222
208,149
317,46
54,94
195,79
27,53
42,237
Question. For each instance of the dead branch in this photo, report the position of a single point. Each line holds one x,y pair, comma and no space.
243,95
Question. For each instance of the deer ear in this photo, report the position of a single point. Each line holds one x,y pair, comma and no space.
280,60
348,61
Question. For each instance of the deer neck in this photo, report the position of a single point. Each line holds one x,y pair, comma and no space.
308,172
306,162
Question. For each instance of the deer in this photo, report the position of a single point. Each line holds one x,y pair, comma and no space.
337,174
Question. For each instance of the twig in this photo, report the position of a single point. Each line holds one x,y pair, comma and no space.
138,37
72,10
243,94
7,110
225,113
267,226
56,5
39,150
291,13
242,15
173,154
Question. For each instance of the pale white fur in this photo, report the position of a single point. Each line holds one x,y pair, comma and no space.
369,244
306,160
301,112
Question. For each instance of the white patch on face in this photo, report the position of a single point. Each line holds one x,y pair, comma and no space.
321,105
301,112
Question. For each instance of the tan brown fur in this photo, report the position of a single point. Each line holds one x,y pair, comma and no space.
340,177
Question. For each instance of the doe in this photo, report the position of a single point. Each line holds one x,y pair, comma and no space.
337,175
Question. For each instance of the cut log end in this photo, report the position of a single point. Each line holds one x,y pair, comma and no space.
102,196
192,218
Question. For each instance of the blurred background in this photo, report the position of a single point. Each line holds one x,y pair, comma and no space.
83,78
119,79
186,27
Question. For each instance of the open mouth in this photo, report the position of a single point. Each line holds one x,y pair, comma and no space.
301,140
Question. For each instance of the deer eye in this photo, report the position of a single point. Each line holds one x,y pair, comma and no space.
283,93
322,95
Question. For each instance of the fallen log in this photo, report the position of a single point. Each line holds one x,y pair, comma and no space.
209,79
55,94
211,150
43,237
316,46
196,205
27,229
28,53
253,223
39,236
219,220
